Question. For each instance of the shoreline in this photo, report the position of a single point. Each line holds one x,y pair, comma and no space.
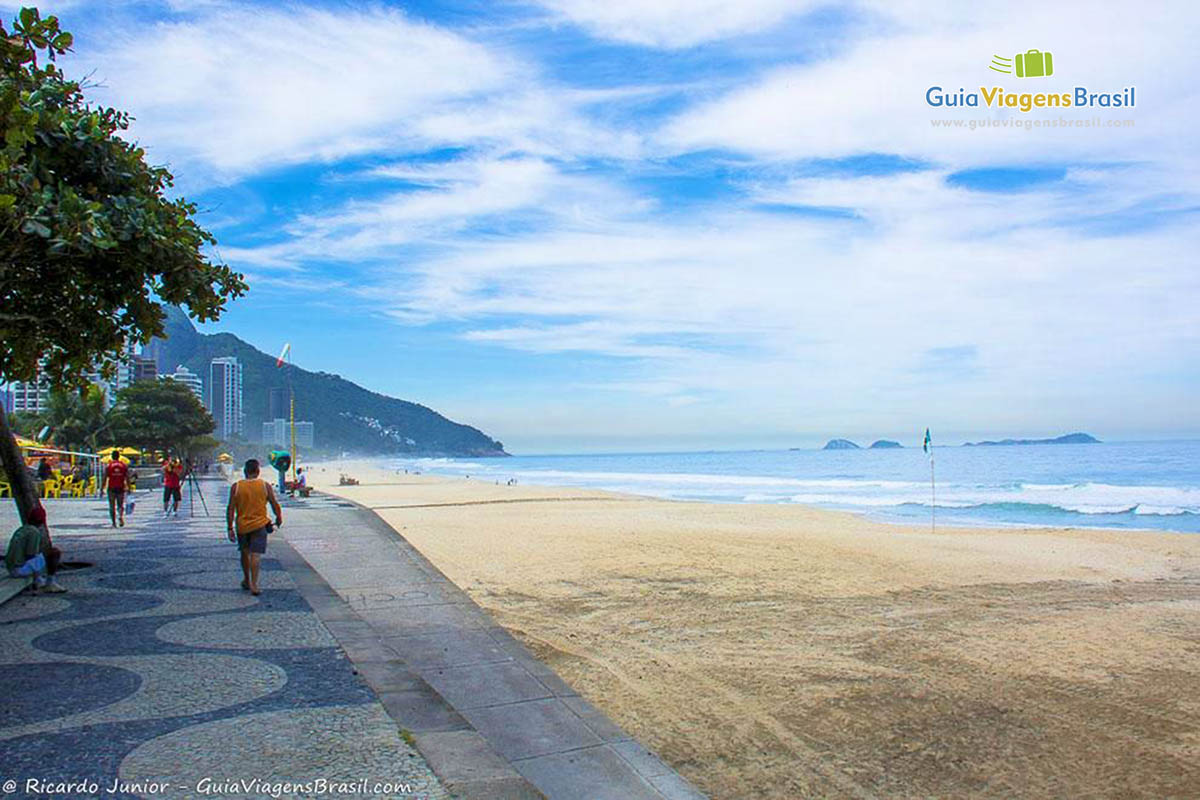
868,513
769,650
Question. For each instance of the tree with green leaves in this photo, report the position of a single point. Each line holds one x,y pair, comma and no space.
77,420
90,241
160,415
26,423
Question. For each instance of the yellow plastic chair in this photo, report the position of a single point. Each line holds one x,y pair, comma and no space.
5,489
72,487
52,488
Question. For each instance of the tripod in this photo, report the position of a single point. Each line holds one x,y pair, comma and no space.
193,490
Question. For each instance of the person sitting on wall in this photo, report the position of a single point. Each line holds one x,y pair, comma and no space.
31,554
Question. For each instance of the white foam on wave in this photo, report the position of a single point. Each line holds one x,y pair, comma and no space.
1161,511
1084,498
1104,498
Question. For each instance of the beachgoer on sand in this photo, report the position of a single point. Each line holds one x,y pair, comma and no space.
248,499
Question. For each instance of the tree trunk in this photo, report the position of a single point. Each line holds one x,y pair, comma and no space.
23,490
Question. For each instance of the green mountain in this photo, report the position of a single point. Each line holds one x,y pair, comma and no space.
345,416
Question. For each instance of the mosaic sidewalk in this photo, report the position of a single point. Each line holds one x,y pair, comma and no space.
157,676
360,671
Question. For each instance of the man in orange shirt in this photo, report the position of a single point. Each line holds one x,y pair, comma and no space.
248,499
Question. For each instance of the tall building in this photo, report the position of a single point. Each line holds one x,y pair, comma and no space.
225,396
34,396
188,379
144,369
122,375
278,406
6,399
31,396
278,432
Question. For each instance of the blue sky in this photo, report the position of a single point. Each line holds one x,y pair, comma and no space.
624,224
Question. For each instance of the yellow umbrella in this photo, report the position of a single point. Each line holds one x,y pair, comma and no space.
126,451
225,458
26,443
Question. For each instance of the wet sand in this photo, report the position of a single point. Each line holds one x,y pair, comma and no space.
771,651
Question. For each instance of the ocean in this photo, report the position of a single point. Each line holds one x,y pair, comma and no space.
1152,485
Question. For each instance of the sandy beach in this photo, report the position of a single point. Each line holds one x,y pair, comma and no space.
780,651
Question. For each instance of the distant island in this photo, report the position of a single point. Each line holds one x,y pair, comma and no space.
840,444
1070,438
884,444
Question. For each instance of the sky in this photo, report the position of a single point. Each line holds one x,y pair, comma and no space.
588,225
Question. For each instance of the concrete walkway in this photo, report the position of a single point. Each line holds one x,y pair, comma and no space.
357,651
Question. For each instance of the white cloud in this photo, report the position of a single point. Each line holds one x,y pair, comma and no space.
232,92
770,317
675,23
871,99
452,197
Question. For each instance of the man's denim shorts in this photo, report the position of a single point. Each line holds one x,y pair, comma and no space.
254,541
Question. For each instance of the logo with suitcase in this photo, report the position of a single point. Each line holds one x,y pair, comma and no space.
1030,64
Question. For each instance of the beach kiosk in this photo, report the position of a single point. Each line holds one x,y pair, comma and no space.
32,451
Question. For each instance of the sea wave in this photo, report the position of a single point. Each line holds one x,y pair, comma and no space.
1138,510
1082,498
1087,498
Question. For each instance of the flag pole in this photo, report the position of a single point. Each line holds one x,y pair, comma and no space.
927,446
285,357
932,496
292,413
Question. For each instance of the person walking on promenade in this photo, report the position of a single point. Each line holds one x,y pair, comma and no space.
31,553
116,478
172,485
248,499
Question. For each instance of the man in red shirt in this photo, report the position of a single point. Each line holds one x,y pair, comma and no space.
116,475
172,482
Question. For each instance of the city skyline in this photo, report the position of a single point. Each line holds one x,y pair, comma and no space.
226,404
33,396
